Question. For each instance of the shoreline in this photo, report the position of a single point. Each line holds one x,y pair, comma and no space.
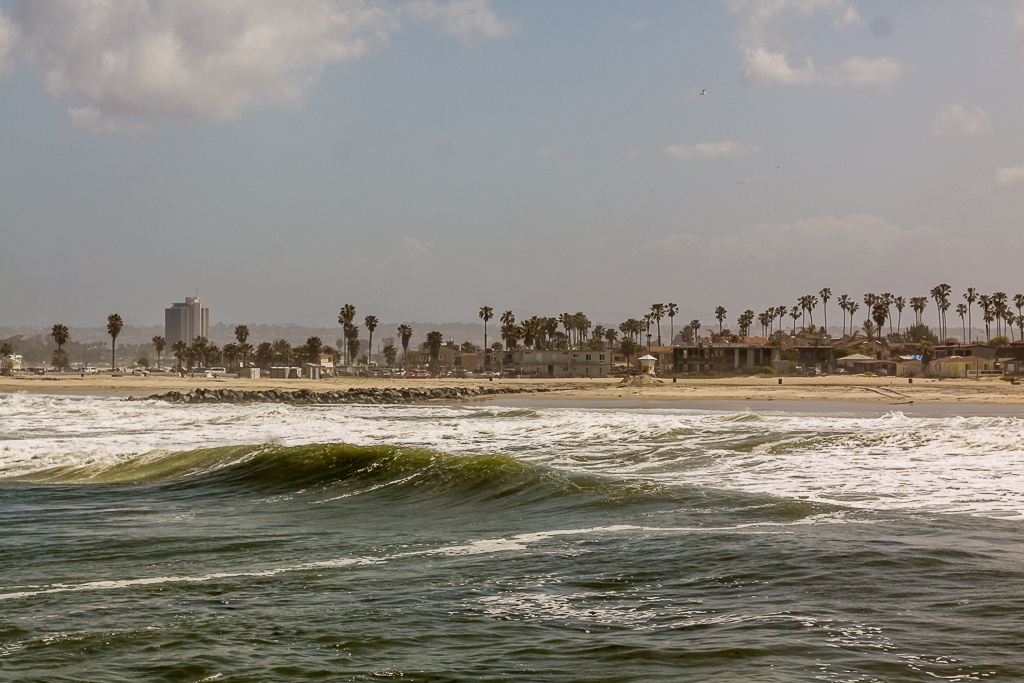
664,392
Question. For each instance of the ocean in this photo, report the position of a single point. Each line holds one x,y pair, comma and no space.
514,540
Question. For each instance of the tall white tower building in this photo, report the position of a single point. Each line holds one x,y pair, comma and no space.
184,321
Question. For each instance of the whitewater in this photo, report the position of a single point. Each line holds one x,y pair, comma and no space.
516,538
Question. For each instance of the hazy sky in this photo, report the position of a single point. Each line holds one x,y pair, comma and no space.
420,159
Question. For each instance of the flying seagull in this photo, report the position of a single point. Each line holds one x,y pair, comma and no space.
703,92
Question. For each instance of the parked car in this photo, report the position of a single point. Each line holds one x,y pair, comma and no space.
417,374
89,370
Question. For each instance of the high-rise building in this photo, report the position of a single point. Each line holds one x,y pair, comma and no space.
184,321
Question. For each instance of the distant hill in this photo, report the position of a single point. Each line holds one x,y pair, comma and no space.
223,333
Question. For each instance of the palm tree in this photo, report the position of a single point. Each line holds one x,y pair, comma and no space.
844,302
282,349
987,316
60,335
961,310
405,332
971,295
486,313
869,330
985,301
999,300
720,316
434,341
825,295
390,355
610,334
812,302
200,349
231,352
313,348
352,343
511,333
744,322
179,349
900,304
214,355
114,325
887,299
264,354
371,323
852,307
671,310
695,326
940,293
879,312
794,313
628,348
241,335
346,316
160,344
918,304
657,313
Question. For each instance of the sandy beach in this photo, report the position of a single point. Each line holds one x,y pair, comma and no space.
884,390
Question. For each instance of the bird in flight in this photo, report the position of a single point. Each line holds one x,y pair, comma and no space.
703,92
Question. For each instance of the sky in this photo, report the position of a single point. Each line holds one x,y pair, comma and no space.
423,158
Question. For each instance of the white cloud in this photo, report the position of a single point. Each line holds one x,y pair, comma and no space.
7,41
880,72
955,119
134,60
466,19
1010,176
765,48
710,150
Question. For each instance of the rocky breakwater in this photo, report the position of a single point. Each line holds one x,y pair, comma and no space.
353,395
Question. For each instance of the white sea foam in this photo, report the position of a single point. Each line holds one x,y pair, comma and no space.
942,463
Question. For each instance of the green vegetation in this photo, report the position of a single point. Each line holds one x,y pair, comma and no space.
1003,318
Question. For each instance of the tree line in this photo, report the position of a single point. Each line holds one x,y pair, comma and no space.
567,331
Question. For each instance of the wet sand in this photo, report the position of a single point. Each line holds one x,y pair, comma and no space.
881,390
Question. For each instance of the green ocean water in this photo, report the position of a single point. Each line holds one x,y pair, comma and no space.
537,546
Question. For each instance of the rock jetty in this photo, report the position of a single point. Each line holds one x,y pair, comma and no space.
353,395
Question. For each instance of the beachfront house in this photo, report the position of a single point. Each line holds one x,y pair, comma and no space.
962,366
556,363
707,358
964,350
